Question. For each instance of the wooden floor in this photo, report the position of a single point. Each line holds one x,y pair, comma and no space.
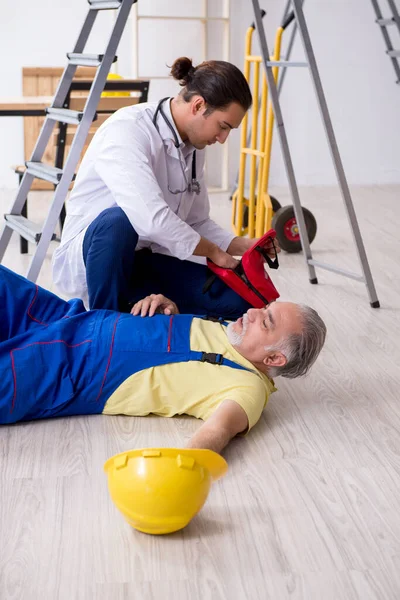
310,508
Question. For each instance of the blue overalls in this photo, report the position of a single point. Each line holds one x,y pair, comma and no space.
56,359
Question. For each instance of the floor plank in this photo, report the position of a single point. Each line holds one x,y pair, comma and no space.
310,506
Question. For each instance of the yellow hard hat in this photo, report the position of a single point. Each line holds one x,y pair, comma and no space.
159,490
111,76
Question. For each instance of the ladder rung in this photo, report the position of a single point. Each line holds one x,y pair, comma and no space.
286,63
104,4
84,60
393,53
253,152
385,22
27,229
43,171
65,115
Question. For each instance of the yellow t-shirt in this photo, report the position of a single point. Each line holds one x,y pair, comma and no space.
194,388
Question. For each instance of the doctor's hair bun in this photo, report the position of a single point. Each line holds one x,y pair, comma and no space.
183,70
218,82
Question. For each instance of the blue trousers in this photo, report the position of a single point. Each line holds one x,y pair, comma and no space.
118,276
56,359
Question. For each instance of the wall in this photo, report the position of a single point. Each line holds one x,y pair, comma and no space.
359,84
38,33
357,76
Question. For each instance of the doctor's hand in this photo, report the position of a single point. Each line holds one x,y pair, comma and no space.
239,245
155,303
223,259
214,253
269,247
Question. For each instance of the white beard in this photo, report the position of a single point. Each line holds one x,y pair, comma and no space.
234,337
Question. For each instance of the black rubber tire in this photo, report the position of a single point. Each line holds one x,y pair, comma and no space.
276,205
284,222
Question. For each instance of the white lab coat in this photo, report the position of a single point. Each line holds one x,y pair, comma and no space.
129,164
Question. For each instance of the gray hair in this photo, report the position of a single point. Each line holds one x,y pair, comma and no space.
301,349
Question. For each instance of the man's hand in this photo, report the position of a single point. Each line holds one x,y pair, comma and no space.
227,421
155,303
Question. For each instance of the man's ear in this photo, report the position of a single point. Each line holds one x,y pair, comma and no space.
198,105
275,359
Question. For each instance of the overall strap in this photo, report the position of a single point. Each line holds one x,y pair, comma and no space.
212,357
215,320
215,359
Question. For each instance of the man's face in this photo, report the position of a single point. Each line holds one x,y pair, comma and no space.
261,327
204,131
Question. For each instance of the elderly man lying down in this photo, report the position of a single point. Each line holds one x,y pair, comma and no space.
57,360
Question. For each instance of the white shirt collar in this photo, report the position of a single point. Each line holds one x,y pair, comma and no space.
165,131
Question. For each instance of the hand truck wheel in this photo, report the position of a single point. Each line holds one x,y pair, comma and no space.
287,231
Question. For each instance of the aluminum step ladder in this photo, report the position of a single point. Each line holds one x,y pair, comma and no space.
366,276
61,178
385,24
284,56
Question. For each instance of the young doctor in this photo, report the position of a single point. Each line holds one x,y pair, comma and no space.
139,210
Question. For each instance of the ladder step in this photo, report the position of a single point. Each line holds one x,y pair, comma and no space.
286,63
43,171
104,4
27,229
86,60
393,53
65,115
385,22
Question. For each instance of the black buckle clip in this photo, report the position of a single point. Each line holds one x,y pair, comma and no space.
212,357
273,264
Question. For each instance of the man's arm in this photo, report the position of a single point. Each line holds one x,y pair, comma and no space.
228,420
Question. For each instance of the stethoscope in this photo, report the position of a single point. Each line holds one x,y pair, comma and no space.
194,185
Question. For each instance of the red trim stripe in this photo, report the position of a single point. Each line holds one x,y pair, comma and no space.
169,334
109,358
30,306
35,344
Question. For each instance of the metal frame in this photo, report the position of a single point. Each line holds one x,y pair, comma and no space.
111,85
205,19
383,24
283,62
366,278
15,220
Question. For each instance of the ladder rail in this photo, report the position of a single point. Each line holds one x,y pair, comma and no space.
283,141
79,140
311,263
281,79
62,91
290,45
62,178
385,33
395,13
333,147
69,71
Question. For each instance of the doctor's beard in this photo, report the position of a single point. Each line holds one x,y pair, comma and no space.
234,337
